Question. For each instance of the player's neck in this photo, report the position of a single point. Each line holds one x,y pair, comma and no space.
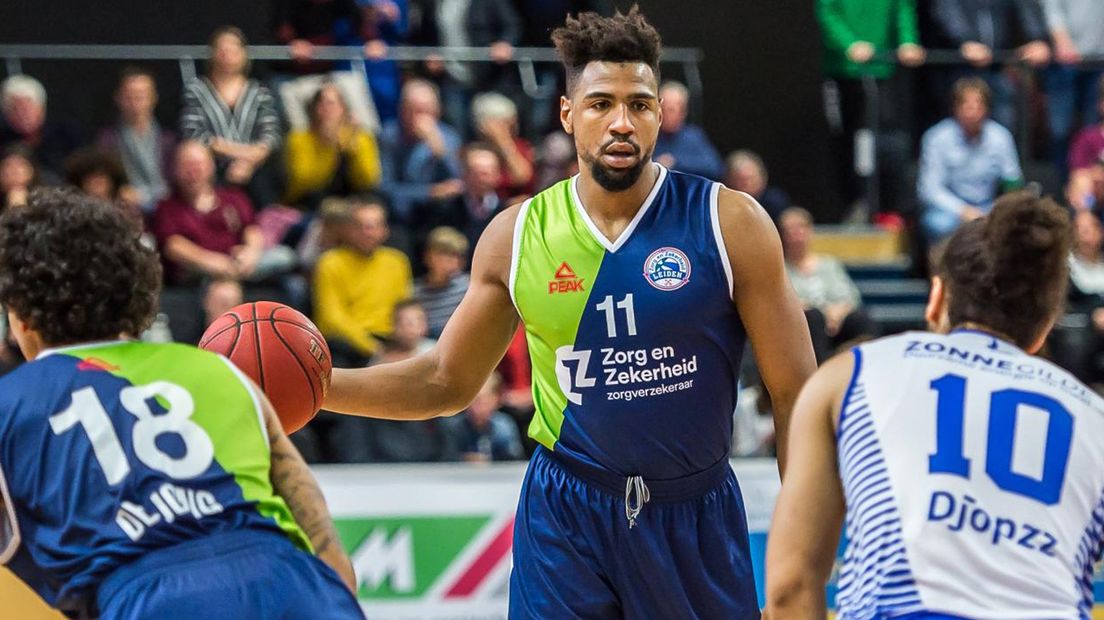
604,205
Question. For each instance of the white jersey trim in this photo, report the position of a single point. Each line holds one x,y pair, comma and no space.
722,249
515,253
249,387
613,246
8,545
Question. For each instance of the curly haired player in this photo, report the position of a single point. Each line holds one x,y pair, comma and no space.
141,480
638,287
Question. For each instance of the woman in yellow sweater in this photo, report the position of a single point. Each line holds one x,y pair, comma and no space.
335,156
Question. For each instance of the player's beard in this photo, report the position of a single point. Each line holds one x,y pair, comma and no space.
616,179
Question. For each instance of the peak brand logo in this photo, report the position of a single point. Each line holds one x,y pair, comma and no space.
565,281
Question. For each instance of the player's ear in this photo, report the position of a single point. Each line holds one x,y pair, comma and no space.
565,116
936,311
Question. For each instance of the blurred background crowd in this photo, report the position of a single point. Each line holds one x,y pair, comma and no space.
357,190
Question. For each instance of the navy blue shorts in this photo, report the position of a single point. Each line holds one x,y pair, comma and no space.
576,557
233,576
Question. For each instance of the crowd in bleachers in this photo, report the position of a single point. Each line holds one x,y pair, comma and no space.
358,197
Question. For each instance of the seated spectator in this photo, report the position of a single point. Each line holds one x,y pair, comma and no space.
1086,296
682,146
964,162
207,231
357,286
334,157
143,146
556,160
18,176
385,25
303,24
445,283
100,175
482,433
495,119
360,440
747,173
1085,158
324,231
419,152
831,300
23,103
471,211
235,116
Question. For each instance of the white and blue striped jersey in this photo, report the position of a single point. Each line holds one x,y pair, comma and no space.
974,480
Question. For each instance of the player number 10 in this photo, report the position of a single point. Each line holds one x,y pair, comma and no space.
1004,409
625,304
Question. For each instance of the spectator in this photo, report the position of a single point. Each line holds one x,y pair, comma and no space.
495,119
747,173
138,140
206,230
482,433
682,146
18,176
1077,30
964,161
856,33
1086,296
303,24
1088,146
335,157
23,103
556,160
357,286
445,283
359,440
469,23
1086,188
385,25
235,116
219,297
979,28
324,231
100,175
471,211
831,300
419,152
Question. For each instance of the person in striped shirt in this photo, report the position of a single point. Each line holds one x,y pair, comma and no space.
445,283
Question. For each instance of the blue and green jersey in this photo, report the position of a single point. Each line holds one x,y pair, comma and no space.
113,450
635,342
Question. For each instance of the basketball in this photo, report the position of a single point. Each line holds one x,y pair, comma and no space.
282,351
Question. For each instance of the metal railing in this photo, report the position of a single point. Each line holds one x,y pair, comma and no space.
526,58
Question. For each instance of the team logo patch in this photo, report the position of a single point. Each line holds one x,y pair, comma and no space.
667,269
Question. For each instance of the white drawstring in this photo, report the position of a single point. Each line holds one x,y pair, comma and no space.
635,484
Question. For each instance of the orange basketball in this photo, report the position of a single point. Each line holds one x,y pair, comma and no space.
282,351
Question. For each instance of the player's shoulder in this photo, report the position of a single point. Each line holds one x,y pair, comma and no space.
739,210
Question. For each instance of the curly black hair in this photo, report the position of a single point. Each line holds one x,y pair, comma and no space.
1008,271
589,37
75,269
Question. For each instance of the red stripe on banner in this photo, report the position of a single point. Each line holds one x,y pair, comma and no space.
484,564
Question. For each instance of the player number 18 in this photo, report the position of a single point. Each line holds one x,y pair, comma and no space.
87,410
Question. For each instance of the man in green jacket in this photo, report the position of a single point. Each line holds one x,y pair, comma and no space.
857,34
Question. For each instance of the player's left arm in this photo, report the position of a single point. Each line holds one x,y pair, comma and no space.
805,529
768,306
292,480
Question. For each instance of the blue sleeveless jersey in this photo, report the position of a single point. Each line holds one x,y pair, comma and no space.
635,343
110,451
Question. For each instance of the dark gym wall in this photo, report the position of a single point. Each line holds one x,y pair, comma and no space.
761,74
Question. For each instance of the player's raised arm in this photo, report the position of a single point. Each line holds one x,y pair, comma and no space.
768,306
292,480
445,379
800,550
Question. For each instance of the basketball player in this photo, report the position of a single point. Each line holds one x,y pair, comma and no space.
971,472
141,480
638,287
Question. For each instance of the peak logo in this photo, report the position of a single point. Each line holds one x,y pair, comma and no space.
565,281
